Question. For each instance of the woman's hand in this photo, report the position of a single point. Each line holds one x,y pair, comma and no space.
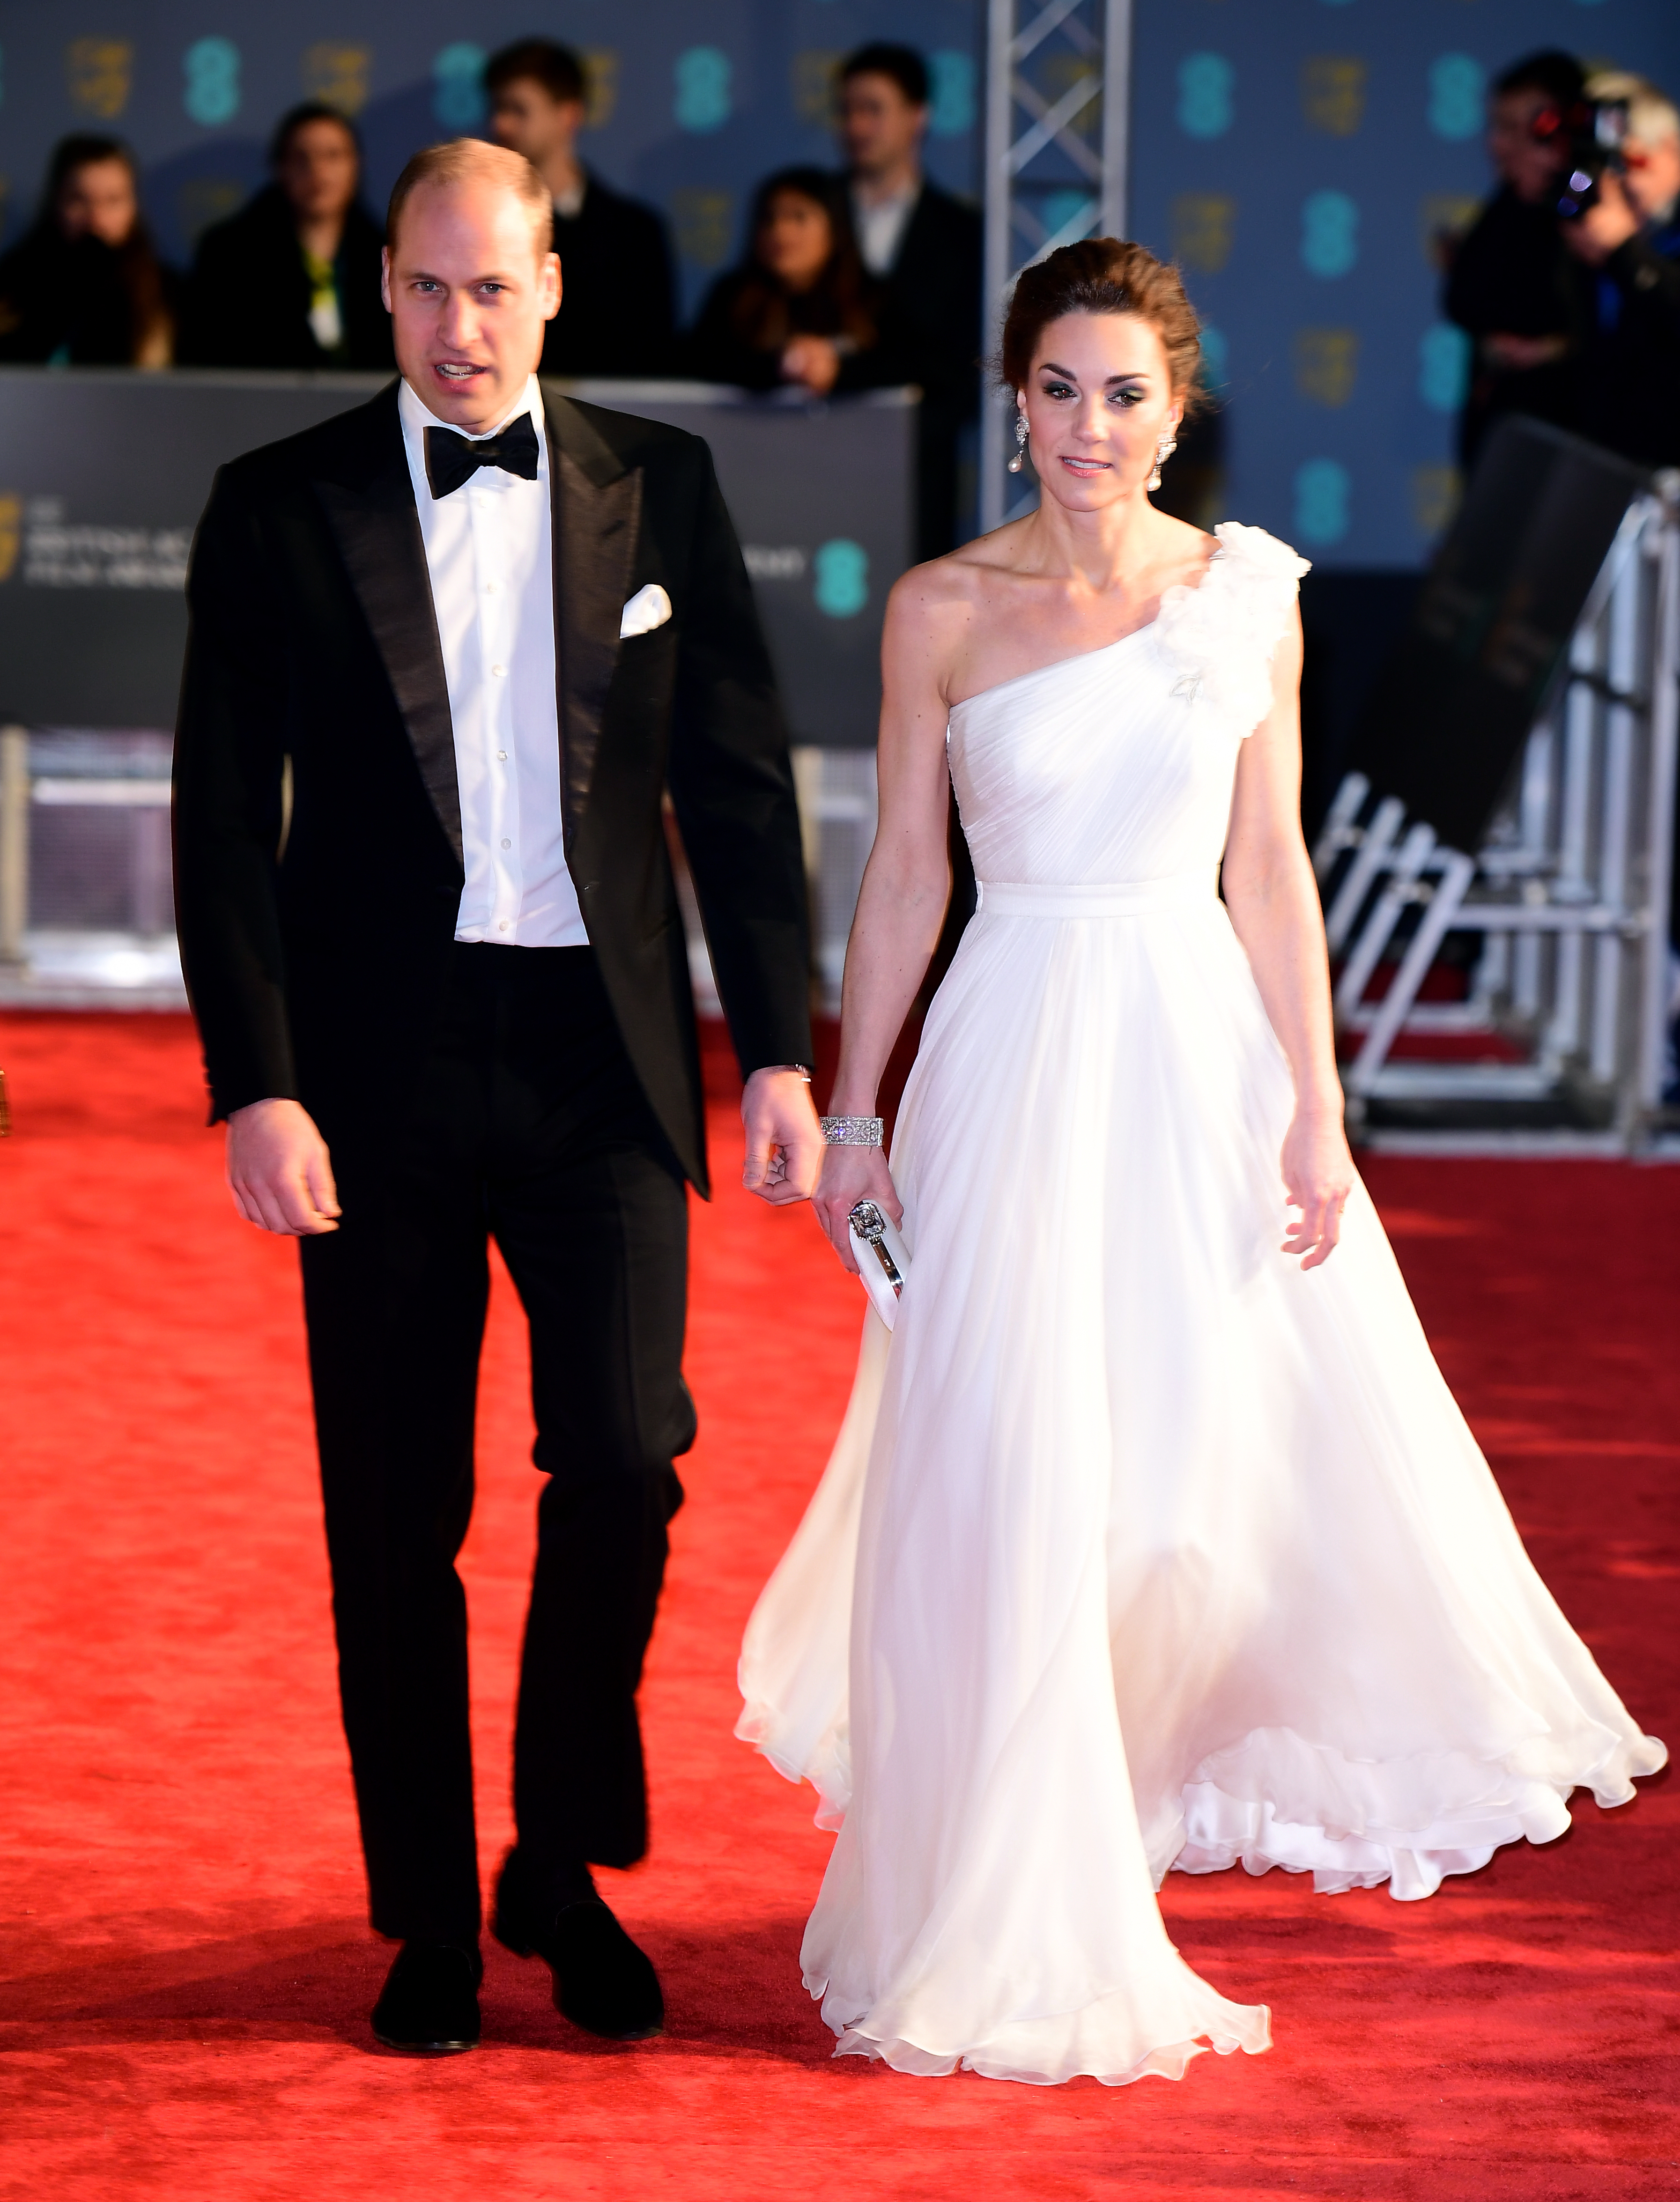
1317,1178
849,1174
813,360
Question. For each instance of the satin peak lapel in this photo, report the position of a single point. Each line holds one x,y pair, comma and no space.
378,533
597,514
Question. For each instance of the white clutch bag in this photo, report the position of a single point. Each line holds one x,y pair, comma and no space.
883,1260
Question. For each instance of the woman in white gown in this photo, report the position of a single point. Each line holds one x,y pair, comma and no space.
1145,1544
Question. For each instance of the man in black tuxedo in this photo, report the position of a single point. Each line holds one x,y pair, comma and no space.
925,246
446,652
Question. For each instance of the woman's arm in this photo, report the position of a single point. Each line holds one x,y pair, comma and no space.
1273,900
901,905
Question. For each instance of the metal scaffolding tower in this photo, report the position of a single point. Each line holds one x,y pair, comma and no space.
1057,102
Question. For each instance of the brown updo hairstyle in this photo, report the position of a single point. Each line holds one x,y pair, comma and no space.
1104,275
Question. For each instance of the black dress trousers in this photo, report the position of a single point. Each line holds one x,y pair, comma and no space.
528,1125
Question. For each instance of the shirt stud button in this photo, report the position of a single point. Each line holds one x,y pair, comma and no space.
502,755
498,671
507,845
501,926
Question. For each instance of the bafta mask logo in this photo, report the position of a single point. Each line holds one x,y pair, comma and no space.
99,72
337,74
1326,364
1204,226
702,222
600,78
1333,93
11,533
1070,78
1436,491
814,76
1442,219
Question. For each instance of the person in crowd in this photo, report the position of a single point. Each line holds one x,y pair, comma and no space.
1629,238
293,280
615,313
925,247
85,287
801,307
1513,287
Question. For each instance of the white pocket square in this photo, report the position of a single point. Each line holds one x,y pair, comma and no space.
648,608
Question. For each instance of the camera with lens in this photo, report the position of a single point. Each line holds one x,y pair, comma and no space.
1588,135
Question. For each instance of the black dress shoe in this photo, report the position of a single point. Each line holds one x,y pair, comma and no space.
602,1981
428,2006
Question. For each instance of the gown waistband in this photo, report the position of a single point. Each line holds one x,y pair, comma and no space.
1130,898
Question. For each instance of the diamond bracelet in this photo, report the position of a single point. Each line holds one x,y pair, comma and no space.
853,1131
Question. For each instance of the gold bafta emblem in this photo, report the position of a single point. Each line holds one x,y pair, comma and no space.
1204,224
701,219
1326,364
1435,493
11,520
600,73
1442,219
337,74
99,71
815,79
1333,93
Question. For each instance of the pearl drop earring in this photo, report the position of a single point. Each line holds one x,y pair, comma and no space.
1020,442
1163,450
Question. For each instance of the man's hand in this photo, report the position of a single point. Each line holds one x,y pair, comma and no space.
1608,223
278,1170
784,1140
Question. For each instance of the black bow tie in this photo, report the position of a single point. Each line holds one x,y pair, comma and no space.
451,460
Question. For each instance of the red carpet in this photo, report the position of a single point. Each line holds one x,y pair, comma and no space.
187,1972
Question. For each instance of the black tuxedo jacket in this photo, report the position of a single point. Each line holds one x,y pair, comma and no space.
935,281
317,819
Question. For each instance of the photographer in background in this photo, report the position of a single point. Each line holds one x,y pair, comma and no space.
85,287
293,280
1512,286
616,314
1629,238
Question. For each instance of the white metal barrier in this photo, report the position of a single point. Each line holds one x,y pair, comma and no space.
87,901
1569,895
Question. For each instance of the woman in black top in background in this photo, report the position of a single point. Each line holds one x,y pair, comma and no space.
85,287
801,309
293,280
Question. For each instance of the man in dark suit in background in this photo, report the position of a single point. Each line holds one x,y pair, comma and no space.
447,651
925,246
618,315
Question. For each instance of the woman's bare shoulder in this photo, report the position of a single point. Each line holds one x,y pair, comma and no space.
962,581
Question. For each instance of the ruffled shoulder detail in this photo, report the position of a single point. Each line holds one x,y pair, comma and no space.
1222,634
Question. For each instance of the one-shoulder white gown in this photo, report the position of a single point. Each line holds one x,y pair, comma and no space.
1138,1547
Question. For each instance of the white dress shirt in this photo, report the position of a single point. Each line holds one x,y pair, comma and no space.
490,553
880,226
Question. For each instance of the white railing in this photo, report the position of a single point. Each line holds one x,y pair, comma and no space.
124,955
1569,895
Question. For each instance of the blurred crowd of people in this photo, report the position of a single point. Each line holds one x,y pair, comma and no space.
863,278
1571,298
